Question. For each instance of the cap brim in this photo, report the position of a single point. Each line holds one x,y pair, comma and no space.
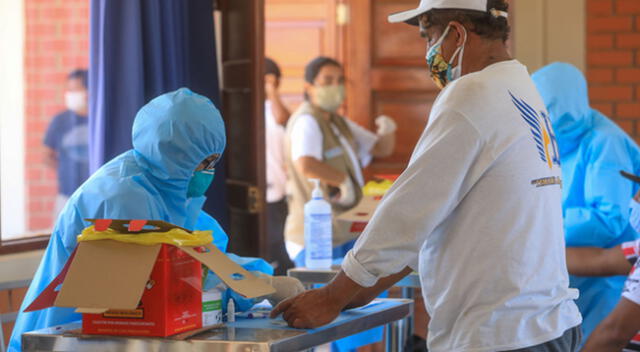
409,17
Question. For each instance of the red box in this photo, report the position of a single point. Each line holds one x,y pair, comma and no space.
171,302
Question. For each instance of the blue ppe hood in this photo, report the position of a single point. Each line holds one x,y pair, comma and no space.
565,94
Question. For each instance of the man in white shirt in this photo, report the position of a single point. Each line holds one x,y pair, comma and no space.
478,210
276,117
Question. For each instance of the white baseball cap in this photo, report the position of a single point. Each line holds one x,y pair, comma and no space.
411,16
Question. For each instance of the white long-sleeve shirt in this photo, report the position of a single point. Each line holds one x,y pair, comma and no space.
478,213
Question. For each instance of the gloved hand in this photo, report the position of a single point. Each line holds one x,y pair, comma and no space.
285,287
347,196
385,125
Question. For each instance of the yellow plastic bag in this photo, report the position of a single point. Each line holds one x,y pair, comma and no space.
175,236
373,188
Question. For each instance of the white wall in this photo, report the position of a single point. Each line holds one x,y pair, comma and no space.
12,144
546,31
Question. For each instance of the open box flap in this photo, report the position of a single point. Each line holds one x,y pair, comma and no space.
107,275
232,274
48,296
363,211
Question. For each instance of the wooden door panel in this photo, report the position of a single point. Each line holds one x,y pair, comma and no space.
402,79
388,75
296,32
395,44
411,111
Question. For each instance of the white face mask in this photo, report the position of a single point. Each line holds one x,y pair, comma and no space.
75,101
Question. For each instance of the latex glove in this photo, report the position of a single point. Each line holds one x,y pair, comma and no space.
347,193
285,287
385,125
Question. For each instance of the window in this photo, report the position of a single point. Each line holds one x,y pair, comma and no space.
42,42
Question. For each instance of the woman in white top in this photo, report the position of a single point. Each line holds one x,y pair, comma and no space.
321,144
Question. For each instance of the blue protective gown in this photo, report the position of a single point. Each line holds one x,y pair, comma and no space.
172,134
595,197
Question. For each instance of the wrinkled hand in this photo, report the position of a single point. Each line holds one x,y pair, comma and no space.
309,309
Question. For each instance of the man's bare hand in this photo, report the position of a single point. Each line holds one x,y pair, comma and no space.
310,309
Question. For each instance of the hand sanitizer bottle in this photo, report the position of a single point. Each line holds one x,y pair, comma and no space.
318,243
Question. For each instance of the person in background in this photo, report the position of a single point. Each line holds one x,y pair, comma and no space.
322,144
595,206
478,210
177,138
276,116
67,140
620,330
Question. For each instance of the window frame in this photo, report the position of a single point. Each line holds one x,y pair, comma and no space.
26,244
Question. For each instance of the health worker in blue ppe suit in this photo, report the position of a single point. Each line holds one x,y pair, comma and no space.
177,139
595,197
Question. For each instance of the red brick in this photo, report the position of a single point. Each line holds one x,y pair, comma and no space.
75,28
628,7
600,41
628,40
610,58
42,30
54,13
609,24
609,93
43,190
599,7
628,110
76,61
40,222
605,108
628,75
36,205
600,75
34,174
56,45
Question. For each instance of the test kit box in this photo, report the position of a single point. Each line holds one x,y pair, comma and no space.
141,290
170,302
357,218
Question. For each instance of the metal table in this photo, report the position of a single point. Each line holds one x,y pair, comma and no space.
244,335
397,336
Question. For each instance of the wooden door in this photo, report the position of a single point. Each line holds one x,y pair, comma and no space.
387,74
296,31
242,26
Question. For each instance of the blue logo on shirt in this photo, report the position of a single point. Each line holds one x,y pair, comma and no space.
540,127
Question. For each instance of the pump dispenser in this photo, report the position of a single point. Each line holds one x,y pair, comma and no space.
318,230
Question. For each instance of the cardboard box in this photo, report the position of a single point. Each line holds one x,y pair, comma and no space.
141,290
169,305
357,218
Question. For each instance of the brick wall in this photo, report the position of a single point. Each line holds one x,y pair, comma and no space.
613,60
56,42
